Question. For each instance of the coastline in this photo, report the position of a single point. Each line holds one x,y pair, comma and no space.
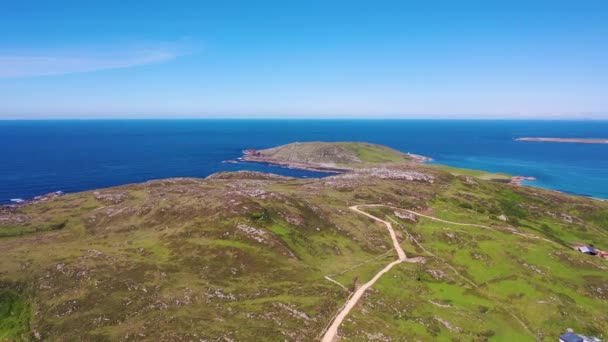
252,155
518,180
20,202
295,165
514,181
581,170
564,140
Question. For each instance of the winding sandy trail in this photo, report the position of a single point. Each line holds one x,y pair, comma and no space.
332,331
527,235
396,245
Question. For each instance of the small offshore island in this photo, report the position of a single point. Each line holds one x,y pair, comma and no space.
330,157
565,140
385,248
340,157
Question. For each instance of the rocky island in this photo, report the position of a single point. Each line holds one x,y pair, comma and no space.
387,248
330,157
565,140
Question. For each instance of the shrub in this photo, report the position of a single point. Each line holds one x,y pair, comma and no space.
14,316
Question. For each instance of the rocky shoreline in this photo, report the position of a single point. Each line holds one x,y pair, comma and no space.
17,202
416,158
518,180
254,156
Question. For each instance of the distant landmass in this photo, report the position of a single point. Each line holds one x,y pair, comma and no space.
386,248
332,157
566,140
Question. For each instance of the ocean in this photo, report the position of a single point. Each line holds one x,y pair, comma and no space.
38,157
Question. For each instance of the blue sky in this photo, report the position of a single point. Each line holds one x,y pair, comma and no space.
413,59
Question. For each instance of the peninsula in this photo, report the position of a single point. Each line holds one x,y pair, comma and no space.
565,140
387,248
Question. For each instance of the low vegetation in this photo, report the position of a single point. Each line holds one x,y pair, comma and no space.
345,154
244,256
15,314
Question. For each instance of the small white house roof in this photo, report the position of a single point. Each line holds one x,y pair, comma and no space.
587,249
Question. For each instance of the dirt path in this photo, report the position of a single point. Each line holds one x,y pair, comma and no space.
332,331
398,248
527,235
335,282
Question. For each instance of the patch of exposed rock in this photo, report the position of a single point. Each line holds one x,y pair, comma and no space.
569,218
447,324
469,180
8,216
293,312
387,173
110,197
437,274
264,238
47,197
294,219
216,293
252,232
405,215
377,337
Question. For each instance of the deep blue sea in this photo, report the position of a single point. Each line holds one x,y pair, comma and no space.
38,157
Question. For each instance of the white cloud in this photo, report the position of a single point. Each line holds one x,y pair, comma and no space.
68,62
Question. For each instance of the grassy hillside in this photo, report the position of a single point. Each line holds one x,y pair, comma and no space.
340,153
502,177
244,256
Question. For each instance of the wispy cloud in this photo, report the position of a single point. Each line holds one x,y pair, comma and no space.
34,64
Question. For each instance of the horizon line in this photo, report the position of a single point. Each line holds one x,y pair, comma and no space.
311,118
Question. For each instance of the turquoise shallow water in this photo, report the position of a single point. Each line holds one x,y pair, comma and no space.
43,156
